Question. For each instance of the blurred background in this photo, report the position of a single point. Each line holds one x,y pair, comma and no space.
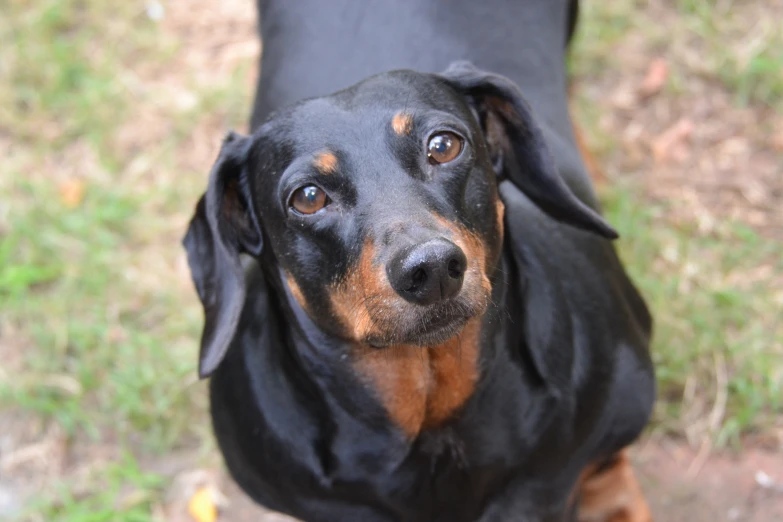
111,114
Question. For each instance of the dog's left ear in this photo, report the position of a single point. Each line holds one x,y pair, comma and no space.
517,147
223,226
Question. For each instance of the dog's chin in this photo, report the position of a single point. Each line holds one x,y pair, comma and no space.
432,334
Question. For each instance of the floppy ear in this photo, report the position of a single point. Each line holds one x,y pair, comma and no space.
223,226
517,147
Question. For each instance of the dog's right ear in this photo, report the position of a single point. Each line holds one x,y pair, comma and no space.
518,149
223,226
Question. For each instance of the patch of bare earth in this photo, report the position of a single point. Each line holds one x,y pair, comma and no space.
683,486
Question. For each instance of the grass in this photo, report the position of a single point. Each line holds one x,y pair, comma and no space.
120,492
65,280
736,44
752,66
103,332
718,335
101,166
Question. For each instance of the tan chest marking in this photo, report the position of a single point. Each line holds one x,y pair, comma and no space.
423,387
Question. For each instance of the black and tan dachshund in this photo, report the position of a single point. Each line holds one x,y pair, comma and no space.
413,308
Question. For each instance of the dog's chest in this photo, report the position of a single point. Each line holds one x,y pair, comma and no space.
421,388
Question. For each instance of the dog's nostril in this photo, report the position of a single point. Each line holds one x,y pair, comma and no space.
418,278
455,269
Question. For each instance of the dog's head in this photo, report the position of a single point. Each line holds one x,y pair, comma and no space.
378,205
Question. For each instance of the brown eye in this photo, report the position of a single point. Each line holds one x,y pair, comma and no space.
443,147
308,200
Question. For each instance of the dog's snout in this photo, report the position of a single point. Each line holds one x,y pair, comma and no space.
428,272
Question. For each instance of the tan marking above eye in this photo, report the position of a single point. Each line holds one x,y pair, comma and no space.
326,162
443,147
402,123
308,200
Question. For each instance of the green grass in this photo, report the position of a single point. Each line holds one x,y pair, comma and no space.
107,324
64,279
751,65
711,316
121,492
736,44
88,288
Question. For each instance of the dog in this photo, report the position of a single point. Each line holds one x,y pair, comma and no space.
413,307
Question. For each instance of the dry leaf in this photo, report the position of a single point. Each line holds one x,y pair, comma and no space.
623,97
72,193
671,143
201,505
657,74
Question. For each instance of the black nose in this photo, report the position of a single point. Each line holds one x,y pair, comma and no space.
428,272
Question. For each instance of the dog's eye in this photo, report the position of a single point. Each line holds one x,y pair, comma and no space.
308,200
443,147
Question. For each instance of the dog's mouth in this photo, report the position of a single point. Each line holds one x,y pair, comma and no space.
428,328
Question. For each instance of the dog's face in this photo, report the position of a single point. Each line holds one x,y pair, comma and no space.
378,205
384,217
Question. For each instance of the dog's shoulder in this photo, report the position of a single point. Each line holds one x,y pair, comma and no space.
586,327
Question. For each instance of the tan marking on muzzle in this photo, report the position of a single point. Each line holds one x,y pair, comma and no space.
357,300
474,249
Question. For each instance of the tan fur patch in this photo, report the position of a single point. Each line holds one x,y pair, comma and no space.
402,123
500,214
326,162
354,298
423,387
295,290
474,248
613,494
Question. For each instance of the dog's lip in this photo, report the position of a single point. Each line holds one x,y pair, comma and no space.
441,332
430,334
441,322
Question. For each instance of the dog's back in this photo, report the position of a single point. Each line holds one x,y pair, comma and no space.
312,48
